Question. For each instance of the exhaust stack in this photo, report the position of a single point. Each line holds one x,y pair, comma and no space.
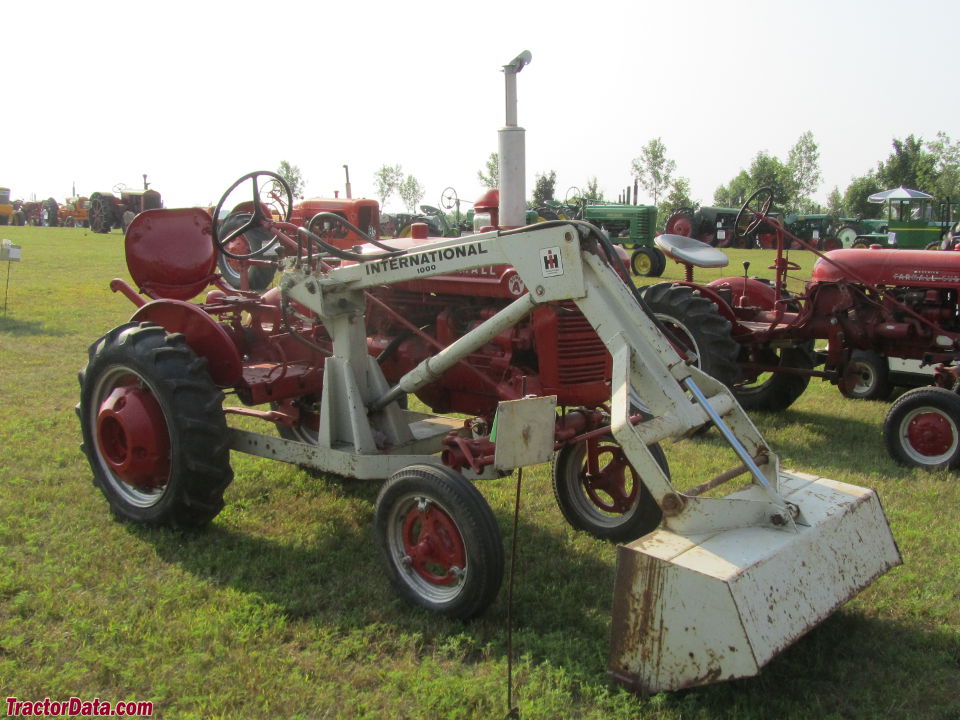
513,208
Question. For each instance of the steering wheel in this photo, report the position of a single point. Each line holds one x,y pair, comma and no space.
748,215
257,213
448,199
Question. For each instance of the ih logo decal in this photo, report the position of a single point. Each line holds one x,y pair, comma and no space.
551,262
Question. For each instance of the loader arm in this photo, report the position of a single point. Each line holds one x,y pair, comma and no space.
725,583
558,262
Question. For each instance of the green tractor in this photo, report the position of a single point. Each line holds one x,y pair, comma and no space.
816,229
716,226
913,221
634,227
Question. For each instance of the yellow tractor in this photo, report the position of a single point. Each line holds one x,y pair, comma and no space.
7,213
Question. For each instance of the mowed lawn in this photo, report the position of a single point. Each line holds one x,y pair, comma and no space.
279,608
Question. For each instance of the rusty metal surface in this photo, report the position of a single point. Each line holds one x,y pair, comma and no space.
694,610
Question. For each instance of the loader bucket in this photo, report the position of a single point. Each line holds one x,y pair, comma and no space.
692,610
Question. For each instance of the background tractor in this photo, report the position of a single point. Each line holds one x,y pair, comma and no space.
817,230
914,220
107,211
7,211
74,212
322,216
634,227
716,226
866,305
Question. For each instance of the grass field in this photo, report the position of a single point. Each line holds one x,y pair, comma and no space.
279,608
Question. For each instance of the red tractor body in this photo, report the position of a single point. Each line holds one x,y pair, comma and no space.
359,212
860,307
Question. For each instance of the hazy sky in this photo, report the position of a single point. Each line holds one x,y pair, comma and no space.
197,94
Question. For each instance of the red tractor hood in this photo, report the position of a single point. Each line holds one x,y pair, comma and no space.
914,268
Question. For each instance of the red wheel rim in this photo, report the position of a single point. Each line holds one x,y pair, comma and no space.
132,436
433,543
930,434
612,486
681,226
237,246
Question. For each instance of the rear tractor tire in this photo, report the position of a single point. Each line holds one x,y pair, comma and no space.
153,428
439,541
696,323
922,429
777,391
100,212
259,277
680,223
847,235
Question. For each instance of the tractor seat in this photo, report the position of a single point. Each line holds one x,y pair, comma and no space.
170,253
691,251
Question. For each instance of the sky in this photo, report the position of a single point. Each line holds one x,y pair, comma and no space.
196,94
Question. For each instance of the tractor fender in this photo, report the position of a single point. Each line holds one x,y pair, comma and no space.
205,336
747,292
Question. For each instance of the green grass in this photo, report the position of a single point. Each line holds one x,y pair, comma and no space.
279,609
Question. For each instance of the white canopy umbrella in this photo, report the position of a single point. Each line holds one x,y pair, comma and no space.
900,193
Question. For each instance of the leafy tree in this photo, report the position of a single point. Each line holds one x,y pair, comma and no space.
677,198
767,171
947,165
543,190
492,178
855,201
592,192
653,169
909,165
835,203
803,163
735,192
293,176
411,192
387,179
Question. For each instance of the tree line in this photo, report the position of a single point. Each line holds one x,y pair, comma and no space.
932,166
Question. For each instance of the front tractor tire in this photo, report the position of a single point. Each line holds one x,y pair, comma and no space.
599,491
922,429
866,377
648,262
153,428
439,541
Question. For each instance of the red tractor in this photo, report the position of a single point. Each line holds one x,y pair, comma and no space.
537,336
322,216
866,304
107,211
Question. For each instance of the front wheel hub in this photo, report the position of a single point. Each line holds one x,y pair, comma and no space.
433,545
133,439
